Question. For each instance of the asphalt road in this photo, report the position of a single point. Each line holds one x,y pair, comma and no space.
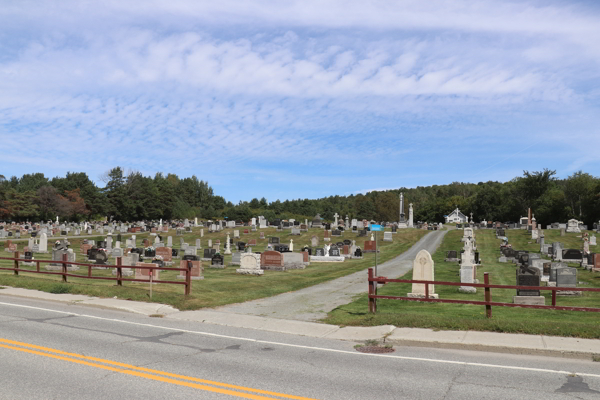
55,351
313,303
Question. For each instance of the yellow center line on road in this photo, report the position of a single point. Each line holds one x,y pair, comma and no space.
144,372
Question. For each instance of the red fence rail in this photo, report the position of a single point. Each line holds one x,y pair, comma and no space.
488,303
119,278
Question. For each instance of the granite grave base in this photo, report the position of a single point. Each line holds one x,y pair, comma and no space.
530,300
422,296
326,259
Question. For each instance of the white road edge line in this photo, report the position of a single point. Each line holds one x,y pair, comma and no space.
311,347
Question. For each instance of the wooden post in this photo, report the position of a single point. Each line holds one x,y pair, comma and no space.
488,295
188,278
64,267
16,272
119,272
554,298
372,302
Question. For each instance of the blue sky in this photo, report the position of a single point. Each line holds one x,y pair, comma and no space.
300,99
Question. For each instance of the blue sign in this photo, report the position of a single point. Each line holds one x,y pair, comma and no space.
375,228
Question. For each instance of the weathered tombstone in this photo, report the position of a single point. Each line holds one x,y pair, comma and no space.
250,264
451,256
314,241
566,277
387,237
423,270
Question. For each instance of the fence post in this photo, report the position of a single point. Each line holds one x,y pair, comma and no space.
372,302
488,295
16,263
188,278
64,267
119,272
554,298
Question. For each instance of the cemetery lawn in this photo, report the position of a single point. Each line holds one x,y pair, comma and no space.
219,286
440,316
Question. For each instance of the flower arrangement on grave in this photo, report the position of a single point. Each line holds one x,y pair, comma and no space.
158,258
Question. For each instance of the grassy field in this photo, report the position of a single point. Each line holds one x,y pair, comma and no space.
220,286
472,317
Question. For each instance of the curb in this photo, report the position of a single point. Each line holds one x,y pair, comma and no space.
519,344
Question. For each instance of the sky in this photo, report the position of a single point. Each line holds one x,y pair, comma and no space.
300,99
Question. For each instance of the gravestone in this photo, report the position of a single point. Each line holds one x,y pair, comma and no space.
387,237
217,261
272,260
370,246
320,252
566,277
334,251
165,253
528,276
208,253
314,241
451,256
423,270
274,240
250,264
572,255
144,273
236,258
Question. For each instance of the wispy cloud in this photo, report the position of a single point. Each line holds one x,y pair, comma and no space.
334,95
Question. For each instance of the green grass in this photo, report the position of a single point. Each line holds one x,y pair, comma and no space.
472,317
220,286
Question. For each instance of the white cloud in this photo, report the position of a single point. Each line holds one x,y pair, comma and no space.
306,88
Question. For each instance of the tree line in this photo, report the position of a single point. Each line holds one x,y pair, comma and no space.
132,196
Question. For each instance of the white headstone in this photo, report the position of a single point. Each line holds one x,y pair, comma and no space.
43,245
423,270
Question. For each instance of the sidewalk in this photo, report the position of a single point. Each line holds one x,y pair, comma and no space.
463,340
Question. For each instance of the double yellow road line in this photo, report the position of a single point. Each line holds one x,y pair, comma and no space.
167,377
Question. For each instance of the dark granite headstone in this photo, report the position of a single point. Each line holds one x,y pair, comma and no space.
334,251
572,254
527,276
217,259
320,252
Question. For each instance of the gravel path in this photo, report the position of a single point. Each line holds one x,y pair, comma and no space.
313,303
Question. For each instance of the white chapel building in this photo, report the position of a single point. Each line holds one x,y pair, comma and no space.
456,216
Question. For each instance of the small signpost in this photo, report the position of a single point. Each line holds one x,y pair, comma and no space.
376,228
